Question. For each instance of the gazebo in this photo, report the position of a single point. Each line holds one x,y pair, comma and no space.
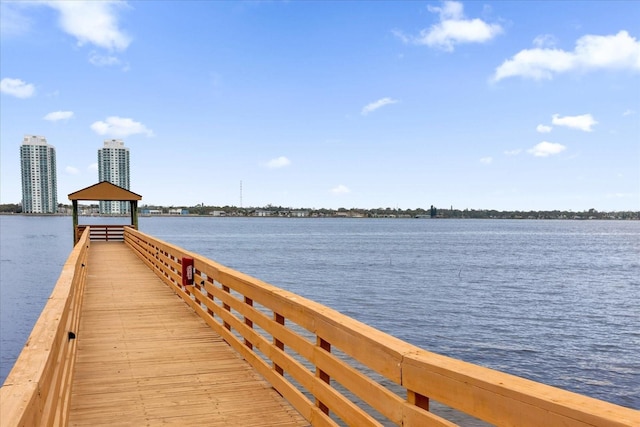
104,191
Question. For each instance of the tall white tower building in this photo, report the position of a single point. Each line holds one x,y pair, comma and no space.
113,166
39,178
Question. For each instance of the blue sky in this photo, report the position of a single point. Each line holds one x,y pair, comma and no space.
481,105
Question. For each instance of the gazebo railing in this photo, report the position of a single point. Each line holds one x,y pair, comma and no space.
103,232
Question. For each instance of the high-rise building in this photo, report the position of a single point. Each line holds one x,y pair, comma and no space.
39,178
113,166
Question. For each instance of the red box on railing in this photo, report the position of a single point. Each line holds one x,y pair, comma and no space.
187,271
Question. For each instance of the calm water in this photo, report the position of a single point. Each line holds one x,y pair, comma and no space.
553,301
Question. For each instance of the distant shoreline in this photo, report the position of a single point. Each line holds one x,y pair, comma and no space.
634,216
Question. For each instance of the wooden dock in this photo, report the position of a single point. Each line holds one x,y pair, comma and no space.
143,333
145,358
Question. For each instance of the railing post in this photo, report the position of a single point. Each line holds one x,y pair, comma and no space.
226,306
323,376
209,295
278,318
248,321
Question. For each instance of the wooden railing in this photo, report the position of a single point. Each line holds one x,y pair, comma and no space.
103,233
335,370
38,388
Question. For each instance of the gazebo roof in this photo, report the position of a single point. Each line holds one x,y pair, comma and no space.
104,191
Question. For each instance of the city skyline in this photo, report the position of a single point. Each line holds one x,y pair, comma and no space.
38,175
113,167
480,105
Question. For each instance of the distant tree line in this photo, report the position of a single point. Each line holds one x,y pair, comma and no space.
11,208
431,212
388,212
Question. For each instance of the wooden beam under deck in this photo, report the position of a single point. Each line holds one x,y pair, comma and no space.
145,358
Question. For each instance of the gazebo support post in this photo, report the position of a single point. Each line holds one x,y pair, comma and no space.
134,213
75,221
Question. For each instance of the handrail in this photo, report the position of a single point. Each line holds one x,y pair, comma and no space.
334,369
38,388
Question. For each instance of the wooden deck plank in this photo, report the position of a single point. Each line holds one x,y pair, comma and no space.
145,358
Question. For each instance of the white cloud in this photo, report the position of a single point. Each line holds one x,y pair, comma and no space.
103,60
377,104
543,128
583,122
93,167
58,115
12,21
513,152
71,170
89,22
486,160
17,88
340,189
620,51
93,22
535,63
120,127
628,112
545,40
402,36
278,162
546,149
453,29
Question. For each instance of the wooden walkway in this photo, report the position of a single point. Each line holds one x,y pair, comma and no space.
145,358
